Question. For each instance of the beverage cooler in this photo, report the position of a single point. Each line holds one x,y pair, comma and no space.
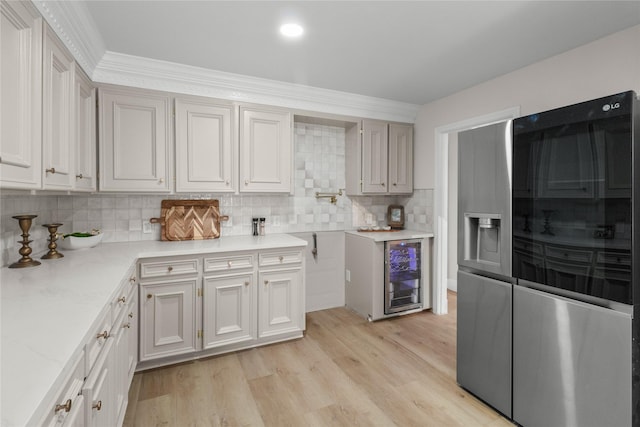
402,275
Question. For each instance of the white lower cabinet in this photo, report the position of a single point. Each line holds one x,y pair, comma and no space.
96,391
281,307
229,310
237,300
99,390
168,315
67,408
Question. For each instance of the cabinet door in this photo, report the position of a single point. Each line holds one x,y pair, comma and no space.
280,304
20,96
132,332
374,156
168,319
229,310
135,134
400,158
265,151
125,356
205,146
85,133
98,389
57,114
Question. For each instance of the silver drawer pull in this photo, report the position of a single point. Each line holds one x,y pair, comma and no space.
230,264
66,406
122,300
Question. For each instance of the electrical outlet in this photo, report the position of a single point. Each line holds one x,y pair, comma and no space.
147,228
368,218
347,275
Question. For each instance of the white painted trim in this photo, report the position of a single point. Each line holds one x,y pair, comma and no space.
72,22
121,69
441,196
74,25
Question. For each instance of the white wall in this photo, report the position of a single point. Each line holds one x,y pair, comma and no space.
604,67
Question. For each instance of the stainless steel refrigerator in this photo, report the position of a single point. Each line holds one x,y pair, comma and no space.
485,286
576,253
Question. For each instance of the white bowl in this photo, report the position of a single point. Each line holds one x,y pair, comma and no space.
72,242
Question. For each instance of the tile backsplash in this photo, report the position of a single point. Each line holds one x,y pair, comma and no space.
319,167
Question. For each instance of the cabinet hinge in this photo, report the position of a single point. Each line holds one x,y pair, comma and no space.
199,333
200,292
361,131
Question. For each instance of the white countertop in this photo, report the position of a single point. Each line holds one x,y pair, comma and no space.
48,311
383,236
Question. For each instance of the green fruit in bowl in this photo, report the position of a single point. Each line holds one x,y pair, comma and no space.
93,232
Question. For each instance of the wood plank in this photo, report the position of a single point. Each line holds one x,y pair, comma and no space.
346,371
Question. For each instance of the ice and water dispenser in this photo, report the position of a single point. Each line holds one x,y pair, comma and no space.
482,238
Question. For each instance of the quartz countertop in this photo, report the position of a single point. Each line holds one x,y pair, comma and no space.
383,236
48,311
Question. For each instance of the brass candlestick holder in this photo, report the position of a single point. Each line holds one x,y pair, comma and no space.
53,236
26,261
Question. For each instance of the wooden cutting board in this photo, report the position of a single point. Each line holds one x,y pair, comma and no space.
189,219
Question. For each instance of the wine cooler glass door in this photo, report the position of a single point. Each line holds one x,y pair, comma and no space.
403,275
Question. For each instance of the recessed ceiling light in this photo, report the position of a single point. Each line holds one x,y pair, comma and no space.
291,30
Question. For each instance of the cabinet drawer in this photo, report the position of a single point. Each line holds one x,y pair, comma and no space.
569,254
168,268
98,340
527,246
226,263
68,404
279,258
614,258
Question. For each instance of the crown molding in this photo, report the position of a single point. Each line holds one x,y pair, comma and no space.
121,69
74,25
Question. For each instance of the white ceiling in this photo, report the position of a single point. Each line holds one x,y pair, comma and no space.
413,52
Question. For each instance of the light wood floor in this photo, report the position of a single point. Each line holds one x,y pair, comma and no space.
344,372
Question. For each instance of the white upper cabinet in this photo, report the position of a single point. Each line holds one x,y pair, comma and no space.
84,133
265,150
375,143
20,96
134,140
206,145
379,158
400,158
57,114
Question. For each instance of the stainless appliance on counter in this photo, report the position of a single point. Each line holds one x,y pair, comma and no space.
576,260
485,285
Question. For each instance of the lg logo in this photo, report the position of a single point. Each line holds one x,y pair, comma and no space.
607,107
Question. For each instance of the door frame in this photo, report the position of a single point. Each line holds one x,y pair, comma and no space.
441,198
